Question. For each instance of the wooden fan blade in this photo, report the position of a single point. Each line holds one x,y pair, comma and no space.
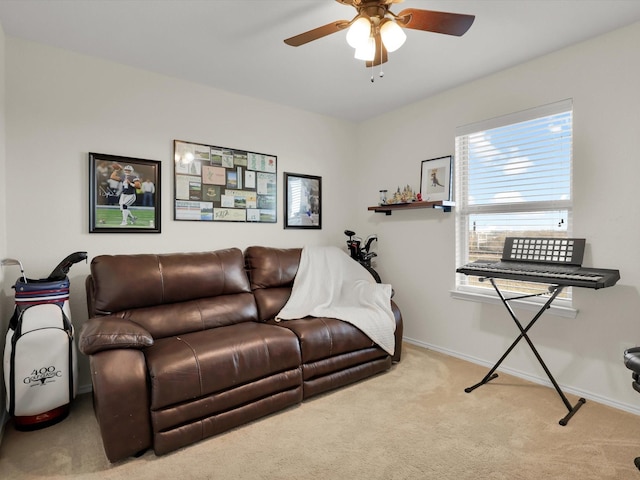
439,22
317,33
381,53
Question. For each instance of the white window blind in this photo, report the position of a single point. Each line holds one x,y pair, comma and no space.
513,178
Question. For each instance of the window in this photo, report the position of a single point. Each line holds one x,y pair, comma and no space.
513,178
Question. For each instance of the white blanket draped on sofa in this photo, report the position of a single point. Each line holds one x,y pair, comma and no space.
331,284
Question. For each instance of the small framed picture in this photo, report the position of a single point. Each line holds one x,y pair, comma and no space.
302,201
435,179
124,194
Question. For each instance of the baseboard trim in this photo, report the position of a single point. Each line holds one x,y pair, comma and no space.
531,378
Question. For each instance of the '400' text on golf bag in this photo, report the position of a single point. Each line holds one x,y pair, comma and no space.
40,354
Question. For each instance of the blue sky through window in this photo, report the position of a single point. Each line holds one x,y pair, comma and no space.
524,162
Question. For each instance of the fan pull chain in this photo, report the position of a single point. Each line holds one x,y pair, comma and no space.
381,73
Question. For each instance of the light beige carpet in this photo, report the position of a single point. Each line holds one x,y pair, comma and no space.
413,422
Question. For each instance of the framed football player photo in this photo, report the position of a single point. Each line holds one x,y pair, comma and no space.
124,194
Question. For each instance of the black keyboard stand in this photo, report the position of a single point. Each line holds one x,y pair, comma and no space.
555,291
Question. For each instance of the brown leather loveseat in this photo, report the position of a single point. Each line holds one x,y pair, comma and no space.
185,346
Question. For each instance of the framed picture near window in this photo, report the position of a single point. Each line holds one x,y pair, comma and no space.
302,201
124,194
435,179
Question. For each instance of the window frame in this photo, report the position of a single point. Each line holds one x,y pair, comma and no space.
561,306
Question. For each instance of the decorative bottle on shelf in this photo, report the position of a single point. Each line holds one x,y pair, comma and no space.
383,197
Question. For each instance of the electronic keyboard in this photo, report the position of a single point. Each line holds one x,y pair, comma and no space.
543,260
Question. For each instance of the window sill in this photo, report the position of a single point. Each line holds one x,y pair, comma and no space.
560,308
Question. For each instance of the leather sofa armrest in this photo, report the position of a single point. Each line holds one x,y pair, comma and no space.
112,332
121,401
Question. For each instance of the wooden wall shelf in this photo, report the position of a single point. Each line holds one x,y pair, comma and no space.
445,205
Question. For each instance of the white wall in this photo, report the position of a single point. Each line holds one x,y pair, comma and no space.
417,248
62,105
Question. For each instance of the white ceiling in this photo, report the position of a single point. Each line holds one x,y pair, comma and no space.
237,45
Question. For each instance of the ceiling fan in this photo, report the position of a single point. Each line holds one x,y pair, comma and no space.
376,30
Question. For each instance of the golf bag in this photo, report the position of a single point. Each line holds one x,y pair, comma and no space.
361,254
40,358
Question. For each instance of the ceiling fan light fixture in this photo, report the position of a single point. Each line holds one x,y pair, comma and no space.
376,30
366,51
392,35
359,32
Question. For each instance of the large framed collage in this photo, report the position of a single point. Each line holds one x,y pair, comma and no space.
214,184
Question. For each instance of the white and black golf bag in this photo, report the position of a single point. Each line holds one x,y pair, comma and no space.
40,358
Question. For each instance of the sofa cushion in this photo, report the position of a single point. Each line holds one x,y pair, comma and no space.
271,267
271,272
322,337
187,367
195,315
122,282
